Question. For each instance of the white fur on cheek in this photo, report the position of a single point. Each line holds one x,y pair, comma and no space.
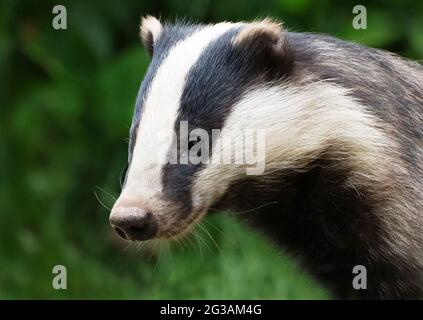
299,122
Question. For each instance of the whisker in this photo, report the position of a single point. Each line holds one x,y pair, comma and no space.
210,236
199,245
158,259
203,241
140,246
190,242
249,210
226,236
182,242
127,246
108,193
169,251
101,202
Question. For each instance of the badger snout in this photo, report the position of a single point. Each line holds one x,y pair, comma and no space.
132,223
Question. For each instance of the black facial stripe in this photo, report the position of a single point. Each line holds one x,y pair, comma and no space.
214,85
168,39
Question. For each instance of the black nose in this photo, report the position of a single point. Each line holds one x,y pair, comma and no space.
134,225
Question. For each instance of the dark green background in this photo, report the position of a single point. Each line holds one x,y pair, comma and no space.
66,100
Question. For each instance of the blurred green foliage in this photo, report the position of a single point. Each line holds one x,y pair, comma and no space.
66,100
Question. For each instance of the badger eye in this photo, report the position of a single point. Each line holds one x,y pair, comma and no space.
123,175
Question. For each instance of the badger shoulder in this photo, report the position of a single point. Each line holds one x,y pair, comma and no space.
385,84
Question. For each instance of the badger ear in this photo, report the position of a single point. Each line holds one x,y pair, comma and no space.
150,31
268,39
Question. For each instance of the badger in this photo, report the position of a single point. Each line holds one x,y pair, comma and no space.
341,183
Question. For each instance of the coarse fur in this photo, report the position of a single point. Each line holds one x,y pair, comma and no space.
343,177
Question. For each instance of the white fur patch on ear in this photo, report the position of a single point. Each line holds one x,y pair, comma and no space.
268,39
150,30
265,28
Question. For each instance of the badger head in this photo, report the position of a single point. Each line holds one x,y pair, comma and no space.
184,112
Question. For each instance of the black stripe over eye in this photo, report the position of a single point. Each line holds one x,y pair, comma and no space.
123,176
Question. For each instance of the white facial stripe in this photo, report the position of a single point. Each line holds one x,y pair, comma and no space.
298,123
160,110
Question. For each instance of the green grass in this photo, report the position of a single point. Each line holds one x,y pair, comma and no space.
236,264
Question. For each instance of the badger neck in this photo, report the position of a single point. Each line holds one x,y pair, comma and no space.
328,163
310,128
332,183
